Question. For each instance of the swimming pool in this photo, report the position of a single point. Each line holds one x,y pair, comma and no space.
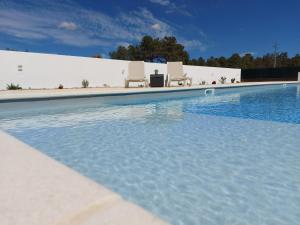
190,158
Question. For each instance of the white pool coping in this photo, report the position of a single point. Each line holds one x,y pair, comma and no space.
19,95
37,190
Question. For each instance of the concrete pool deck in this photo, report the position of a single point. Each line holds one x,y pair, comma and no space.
35,94
37,190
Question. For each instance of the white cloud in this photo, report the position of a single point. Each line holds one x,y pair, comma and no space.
194,44
156,26
89,28
68,25
171,7
141,20
18,24
33,26
161,2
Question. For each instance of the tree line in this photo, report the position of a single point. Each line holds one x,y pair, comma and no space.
153,50
168,49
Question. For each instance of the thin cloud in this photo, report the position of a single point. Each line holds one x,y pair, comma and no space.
67,25
161,2
171,7
194,44
142,20
94,28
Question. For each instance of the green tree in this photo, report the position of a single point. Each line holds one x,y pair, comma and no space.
173,51
201,61
258,62
197,62
133,53
222,61
295,61
149,48
234,61
268,61
168,49
153,49
282,59
121,53
247,61
212,61
193,62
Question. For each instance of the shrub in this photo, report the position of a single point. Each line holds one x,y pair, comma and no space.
61,86
214,82
13,87
232,80
85,83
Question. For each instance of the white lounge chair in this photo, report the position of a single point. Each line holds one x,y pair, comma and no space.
136,73
175,73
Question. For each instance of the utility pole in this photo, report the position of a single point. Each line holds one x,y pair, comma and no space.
275,46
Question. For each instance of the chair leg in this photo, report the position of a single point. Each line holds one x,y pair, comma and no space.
146,83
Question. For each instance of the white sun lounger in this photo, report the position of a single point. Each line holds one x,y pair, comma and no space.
136,73
175,73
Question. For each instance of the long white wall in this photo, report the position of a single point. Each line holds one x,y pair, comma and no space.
34,70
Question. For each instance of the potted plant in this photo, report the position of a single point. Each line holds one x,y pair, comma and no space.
13,87
223,80
85,83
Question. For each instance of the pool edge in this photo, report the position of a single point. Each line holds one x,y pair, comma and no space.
128,91
45,192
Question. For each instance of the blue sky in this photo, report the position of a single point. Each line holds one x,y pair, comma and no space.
206,27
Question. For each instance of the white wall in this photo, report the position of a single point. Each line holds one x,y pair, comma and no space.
210,74
48,71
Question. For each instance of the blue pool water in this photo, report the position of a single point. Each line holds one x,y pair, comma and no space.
228,158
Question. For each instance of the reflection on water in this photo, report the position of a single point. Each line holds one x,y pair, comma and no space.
277,103
281,104
60,113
